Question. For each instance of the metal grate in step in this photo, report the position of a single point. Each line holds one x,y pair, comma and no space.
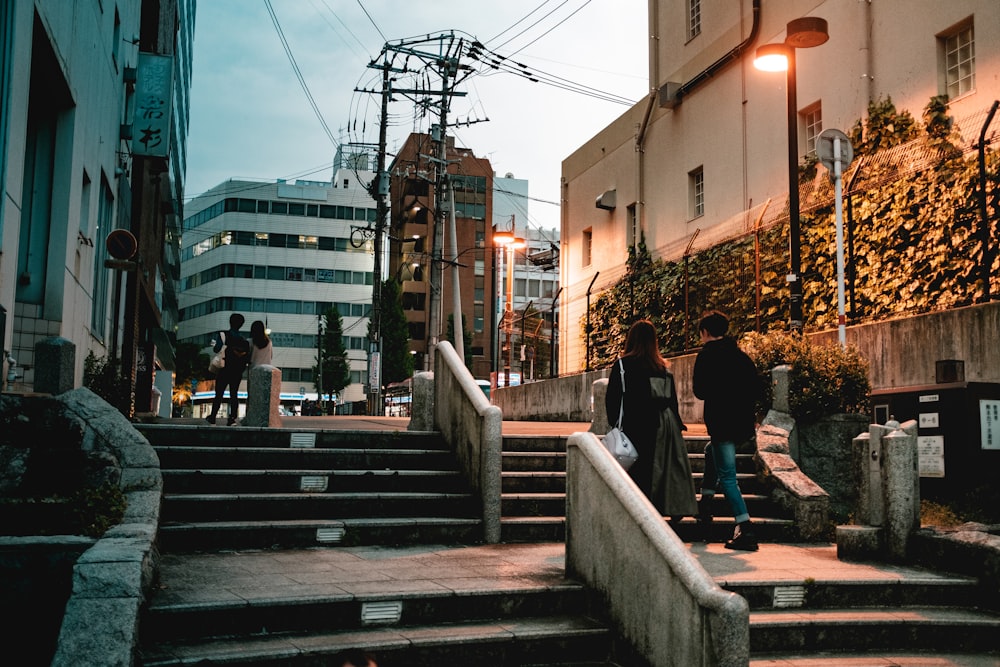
303,440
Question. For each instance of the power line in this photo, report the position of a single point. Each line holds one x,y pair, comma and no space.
298,73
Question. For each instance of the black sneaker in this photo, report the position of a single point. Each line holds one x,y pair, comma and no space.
210,419
231,422
743,538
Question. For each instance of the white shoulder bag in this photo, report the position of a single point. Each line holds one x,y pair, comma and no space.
616,441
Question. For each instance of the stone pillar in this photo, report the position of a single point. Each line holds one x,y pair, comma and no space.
55,362
263,397
888,511
901,479
422,414
598,392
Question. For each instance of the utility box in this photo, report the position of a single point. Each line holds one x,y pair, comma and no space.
958,433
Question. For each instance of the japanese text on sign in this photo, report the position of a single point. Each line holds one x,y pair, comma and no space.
989,423
154,81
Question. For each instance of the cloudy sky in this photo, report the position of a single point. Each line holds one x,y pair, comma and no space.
255,115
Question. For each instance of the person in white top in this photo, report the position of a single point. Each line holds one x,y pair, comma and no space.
260,350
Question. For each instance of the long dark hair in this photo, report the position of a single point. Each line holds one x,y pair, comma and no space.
641,342
258,335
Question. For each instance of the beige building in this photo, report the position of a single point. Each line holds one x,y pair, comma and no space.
708,148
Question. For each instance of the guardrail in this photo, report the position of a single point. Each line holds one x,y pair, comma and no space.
658,595
472,428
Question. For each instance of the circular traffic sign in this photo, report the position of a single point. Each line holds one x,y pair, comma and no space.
121,244
824,149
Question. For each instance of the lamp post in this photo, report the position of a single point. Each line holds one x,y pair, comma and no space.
499,241
507,240
801,33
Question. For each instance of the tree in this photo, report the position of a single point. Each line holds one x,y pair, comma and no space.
336,371
397,362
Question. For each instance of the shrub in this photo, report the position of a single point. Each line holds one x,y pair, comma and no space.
103,376
823,379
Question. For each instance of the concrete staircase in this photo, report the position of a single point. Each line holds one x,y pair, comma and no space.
263,492
235,488
533,497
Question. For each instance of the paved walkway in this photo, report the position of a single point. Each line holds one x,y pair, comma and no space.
269,574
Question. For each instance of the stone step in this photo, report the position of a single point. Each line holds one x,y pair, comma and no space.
237,437
191,537
941,658
277,506
915,628
566,641
284,458
312,480
540,622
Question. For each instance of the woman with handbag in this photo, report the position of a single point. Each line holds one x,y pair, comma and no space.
652,421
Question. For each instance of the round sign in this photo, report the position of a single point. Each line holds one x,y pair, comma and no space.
121,244
824,149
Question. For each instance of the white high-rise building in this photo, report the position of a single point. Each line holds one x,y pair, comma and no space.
283,253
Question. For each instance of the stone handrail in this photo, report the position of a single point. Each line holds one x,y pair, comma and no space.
472,428
658,595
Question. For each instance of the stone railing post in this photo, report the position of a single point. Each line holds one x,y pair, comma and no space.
422,410
598,391
886,470
263,397
55,362
901,476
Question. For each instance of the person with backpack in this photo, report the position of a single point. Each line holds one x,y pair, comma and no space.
237,356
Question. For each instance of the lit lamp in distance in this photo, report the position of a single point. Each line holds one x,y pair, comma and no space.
510,242
801,33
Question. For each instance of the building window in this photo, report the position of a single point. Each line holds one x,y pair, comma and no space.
958,50
631,228
813,117
694,18
588,239
696,189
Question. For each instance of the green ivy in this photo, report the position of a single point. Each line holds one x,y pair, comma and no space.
915,238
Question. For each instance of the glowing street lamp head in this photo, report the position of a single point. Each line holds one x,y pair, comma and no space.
503,238
771,58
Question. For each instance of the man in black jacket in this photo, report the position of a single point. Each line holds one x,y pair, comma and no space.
237,357
725,378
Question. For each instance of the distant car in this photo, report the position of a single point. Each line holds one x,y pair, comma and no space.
285,412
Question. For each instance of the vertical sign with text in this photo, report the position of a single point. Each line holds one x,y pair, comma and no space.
154,81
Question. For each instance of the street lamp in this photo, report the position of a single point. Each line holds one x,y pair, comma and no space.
801,33
507,240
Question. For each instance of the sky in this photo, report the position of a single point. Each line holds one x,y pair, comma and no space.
254,115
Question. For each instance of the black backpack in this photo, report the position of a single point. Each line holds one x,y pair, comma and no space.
237,350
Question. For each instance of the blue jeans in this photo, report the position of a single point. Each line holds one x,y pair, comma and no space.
720,474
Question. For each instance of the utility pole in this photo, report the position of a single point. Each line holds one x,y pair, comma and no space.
447,63
379,191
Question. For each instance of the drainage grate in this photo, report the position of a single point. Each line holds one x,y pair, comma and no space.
306,440
381,612
327,535
789,596
313,483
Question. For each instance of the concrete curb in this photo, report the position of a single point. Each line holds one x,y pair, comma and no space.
112,579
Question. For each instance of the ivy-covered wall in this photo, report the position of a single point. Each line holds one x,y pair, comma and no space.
914,243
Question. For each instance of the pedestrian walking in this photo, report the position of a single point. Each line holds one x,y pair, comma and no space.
725,378
237,356
652,421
